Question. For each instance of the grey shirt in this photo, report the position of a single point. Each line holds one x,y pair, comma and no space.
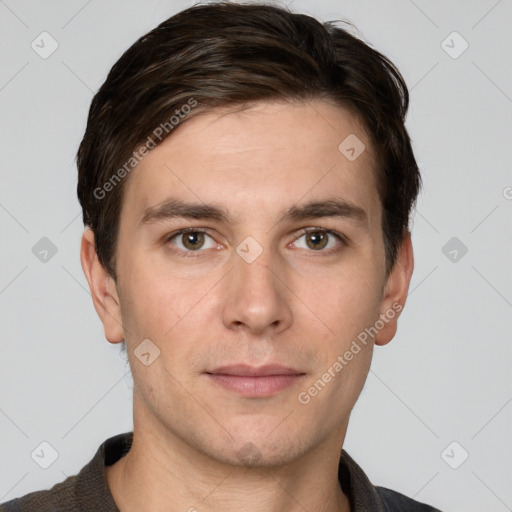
88,491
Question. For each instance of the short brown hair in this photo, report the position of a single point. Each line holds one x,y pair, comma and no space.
232,55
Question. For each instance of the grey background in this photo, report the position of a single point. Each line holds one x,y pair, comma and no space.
444,378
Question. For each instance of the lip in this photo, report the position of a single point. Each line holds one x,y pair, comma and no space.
256,382
245,370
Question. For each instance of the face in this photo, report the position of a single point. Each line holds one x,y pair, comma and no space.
280,269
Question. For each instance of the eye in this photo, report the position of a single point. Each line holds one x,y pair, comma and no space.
318,240
192,240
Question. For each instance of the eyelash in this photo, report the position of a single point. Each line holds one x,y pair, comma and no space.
191,254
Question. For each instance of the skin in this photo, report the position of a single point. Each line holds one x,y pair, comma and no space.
197,445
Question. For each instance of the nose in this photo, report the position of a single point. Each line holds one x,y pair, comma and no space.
257,297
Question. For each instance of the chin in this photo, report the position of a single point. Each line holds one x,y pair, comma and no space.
253,449
252,455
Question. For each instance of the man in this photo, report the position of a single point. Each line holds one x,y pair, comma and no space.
246,182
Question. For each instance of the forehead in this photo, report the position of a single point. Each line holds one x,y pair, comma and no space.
269,156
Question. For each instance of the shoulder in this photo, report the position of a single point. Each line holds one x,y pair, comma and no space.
365,496
396,502
60,498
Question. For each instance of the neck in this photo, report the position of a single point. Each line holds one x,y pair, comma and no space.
161,472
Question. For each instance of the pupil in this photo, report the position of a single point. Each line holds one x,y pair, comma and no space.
317,240
193,240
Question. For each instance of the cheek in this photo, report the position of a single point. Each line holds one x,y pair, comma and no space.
154,303
346,302
169,312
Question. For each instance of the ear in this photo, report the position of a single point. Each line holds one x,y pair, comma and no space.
395,292
103,289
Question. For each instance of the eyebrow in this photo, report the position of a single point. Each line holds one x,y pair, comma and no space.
328,208
175,208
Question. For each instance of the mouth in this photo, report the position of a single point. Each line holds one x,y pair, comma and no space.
255,382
